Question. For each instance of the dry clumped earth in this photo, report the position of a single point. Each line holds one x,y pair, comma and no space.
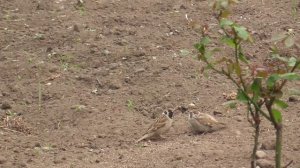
79,84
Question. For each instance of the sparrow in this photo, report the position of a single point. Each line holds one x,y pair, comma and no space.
161,125
204,123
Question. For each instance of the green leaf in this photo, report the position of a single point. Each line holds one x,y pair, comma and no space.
272,80
243,58
184,52
228,41
278,36
242,32
223,59
237,69
289,41
290,76
256,87
208,55
281,103
278,94
292,61
230,68
277,56
226,22
224,4
231,104
205,40
225,13
202,44
241,96
277,116
295,92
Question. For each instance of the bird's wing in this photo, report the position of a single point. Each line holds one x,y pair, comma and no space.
206,121
159,123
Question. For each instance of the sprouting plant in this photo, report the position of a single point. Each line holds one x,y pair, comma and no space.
39,84
294,9
65,61
80,6
11,113
130,105
259,87
78,107
39,36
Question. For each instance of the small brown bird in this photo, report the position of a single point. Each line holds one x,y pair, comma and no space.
204,123
161,125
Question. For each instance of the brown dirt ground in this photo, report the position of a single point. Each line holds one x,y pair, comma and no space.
133,48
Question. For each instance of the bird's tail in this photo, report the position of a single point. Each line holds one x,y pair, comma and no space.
143,137
221,126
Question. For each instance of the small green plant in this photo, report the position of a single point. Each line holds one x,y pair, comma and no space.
294,9
259,87
130,105
184,52
39,36
78,107
38,74
80,6
65,61
11,113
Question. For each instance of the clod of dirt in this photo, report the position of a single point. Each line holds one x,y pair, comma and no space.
165,67
268,145
264,163
230,96
216,113
42,5
57,161
5,106
139,70
106,52
5,94
183,109
2,159
121,42
260,154
23,165
139,53
238,118
84,78
191,106
293,99
76,28
37,144
114,86
113,66
53,69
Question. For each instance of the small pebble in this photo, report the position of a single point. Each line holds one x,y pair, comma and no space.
191,106
2,159
5,106
268,145
264,163
238,118
293,99
261,154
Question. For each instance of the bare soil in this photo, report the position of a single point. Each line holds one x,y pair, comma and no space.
85,82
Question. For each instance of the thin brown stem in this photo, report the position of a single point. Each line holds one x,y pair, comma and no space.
287,165
255,146
278,146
